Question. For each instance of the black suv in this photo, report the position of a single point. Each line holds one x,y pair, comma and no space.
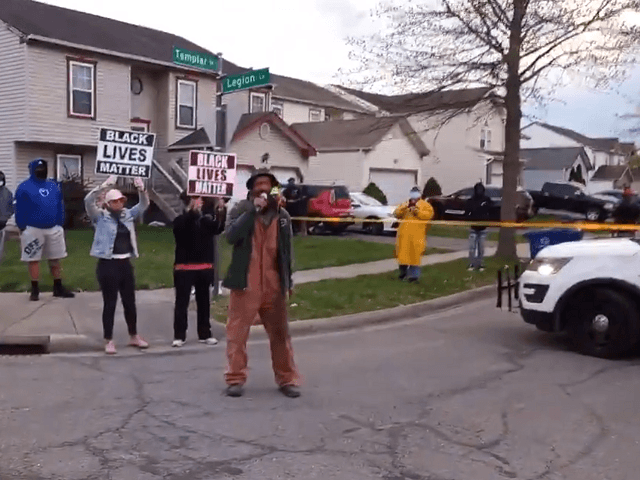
571,198
454,206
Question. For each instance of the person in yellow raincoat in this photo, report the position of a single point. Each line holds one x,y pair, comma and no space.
411,240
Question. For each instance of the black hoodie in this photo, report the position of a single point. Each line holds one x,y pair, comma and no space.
479,206
194,232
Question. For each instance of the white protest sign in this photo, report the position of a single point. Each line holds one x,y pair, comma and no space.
211,174
125,153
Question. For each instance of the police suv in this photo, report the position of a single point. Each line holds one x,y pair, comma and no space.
590,289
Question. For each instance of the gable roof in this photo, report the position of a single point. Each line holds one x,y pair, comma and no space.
423,102
610,172
40,21
288,88
553,158
600,144
193,141
628,148
250,121
359,134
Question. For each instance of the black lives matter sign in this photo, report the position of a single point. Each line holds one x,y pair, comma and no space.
125,153
211,174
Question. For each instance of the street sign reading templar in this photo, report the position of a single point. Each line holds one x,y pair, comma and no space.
250,79
125,153
188,58
211,174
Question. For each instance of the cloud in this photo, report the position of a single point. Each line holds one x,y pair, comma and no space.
348,16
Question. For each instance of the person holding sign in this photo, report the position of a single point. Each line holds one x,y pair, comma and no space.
194,233
259,278
114,244
411,240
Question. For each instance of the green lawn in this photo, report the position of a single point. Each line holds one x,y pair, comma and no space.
330,298
154,267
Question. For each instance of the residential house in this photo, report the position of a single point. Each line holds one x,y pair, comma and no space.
64,74
559,164
384,150
601,151
463,129
609,177
292,99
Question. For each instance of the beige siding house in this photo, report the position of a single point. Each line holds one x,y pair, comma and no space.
461,129
384,150
59,86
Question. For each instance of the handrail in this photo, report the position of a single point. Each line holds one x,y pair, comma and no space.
158,167
178,169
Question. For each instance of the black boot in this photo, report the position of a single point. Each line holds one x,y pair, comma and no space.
35,292
60,291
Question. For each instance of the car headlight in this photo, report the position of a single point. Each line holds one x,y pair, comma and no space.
609,206
547,266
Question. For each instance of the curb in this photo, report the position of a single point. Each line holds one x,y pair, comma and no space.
377,317
57,343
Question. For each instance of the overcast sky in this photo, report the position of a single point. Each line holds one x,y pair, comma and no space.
305,39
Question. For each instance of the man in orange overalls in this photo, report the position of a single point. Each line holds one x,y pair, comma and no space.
259,278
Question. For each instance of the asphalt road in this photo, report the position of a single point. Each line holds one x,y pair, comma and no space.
469,394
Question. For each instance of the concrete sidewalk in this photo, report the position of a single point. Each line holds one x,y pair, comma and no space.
75,324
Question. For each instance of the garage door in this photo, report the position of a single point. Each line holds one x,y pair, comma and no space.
395,184
283,174
242,175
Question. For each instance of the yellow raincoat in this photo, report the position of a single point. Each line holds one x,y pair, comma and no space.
411,240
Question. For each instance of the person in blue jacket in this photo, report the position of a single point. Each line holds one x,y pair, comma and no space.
39,214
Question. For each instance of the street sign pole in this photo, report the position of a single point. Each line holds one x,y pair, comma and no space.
219,147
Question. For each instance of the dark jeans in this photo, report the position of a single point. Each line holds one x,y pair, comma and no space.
117,276
410,272
183,280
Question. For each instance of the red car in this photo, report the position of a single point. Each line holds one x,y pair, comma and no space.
320,201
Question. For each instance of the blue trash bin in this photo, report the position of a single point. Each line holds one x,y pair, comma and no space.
539,239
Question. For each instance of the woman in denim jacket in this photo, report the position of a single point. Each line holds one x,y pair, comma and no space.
114,243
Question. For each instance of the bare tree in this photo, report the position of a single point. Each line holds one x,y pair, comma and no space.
518,49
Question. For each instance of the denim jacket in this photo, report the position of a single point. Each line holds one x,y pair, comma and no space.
106,226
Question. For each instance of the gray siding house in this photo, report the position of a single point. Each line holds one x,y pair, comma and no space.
59,85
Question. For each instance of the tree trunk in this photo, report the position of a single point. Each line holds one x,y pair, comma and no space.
511,162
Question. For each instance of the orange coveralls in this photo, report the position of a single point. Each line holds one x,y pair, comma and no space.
264,297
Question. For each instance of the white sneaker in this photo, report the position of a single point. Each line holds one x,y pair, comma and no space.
177,343
209,341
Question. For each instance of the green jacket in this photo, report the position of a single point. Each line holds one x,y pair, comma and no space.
239,233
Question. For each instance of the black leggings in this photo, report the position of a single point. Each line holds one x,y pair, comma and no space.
117,276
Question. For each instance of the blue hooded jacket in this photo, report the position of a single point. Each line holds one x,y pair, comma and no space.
39,203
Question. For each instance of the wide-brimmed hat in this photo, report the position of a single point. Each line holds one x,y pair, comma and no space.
112,195
261,172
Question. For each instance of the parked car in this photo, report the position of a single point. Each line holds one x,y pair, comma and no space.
368,208
454,206
571,197
322,201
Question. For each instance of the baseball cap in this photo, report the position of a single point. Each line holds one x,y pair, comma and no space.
114,194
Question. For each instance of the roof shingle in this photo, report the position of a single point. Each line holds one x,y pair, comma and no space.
553,158
610,172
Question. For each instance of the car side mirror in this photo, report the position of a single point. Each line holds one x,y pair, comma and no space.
355,205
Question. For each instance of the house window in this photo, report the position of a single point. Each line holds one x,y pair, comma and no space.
69,167
187,94
82,89
258,102
489,173
315,115
485,139
278,108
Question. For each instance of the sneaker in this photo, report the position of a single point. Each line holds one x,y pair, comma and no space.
290,391
110,348
234,391
62,292
177,343
470,268
481,268
138,341
209,341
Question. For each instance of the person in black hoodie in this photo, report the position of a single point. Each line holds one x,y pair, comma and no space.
626,213
478,207
194,233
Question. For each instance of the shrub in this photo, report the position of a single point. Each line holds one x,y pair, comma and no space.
373,191
73,191
431,188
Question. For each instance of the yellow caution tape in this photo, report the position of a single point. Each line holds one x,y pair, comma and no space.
457,223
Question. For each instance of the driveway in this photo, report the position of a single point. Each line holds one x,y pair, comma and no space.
469,394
